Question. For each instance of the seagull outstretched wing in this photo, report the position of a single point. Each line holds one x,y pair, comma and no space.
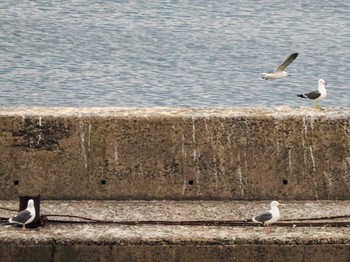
287,62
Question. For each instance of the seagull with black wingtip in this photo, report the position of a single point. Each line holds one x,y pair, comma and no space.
270,217
320,94
25,216
279,72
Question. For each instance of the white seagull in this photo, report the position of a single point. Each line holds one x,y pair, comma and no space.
269,217
316,95
279,72
25,216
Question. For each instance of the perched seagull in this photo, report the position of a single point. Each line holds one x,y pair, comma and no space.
317,95
269,217
279,72
24,217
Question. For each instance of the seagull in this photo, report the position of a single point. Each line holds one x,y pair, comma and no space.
279,72
269,217
316,95
24,217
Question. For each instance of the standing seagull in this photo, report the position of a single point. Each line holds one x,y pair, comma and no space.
279,72
269,217
24,217
317,95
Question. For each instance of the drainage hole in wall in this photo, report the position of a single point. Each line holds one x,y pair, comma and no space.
16,182
190,182
103,182
285,182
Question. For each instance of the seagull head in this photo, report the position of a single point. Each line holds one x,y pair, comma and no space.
30,203
274,204
321,81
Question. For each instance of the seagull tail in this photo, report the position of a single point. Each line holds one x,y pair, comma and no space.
302,96
11,221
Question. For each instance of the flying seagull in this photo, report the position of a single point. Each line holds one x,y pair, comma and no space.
279,72
269,217
24,217
317,95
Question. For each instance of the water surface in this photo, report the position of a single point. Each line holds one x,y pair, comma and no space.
171,53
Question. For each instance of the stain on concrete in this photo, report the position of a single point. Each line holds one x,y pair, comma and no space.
40,134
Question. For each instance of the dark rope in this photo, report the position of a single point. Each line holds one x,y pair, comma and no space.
8,209
301,222
200,221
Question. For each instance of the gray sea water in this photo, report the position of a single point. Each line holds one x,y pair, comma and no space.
171,53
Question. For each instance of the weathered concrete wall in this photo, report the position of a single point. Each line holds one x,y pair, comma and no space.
281,153
202,253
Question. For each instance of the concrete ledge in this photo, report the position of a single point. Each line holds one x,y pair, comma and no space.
98,242
164,253
169,153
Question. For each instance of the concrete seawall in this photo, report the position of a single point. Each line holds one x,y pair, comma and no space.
162,153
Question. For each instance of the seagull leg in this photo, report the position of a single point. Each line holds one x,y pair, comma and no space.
24,228
316,105
270,228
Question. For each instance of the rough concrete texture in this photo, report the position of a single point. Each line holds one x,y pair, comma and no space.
108,242
170,253
169,153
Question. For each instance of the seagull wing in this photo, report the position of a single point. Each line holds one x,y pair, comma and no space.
21,217
313,94
287,62
263,217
